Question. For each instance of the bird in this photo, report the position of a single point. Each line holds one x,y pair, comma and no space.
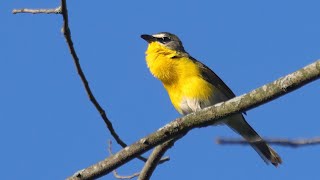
192,86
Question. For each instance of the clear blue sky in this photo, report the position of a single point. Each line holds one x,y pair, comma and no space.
49,129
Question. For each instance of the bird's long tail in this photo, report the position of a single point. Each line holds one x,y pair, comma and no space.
239,124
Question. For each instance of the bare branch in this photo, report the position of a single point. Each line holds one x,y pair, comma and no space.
38,11
155,157
205,117
62,9
67,35
276,141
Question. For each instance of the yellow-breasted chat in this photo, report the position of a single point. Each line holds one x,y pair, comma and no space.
192,86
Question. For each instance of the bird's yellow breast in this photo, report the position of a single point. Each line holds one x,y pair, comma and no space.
180,76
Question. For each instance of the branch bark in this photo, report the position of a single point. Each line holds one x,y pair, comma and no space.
203,118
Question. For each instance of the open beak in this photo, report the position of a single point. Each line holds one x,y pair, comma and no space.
148,38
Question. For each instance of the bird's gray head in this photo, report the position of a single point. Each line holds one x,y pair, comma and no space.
167,39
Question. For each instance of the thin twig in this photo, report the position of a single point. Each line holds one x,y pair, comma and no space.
154,158
116,175
125,177
62,9
38,11
67,35
294,143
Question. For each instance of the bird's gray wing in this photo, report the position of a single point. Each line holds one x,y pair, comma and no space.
215,80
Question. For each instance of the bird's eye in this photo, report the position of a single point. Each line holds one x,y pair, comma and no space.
164,40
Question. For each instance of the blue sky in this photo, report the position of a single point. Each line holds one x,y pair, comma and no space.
49,129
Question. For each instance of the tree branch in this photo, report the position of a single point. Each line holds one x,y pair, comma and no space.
155,157
62,9
276,141
38,11
67,34
208,116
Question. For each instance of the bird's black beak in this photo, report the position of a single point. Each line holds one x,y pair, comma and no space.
148,38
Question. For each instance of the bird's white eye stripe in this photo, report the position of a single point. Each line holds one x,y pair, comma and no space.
159,35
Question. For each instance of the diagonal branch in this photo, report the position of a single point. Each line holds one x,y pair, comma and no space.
62,9
205,117
67,34
276,141
155,157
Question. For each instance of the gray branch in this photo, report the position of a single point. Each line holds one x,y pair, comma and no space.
155,157
38,11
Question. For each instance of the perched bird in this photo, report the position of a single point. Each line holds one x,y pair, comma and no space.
192,86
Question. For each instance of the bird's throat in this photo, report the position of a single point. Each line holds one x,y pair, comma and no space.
162,64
